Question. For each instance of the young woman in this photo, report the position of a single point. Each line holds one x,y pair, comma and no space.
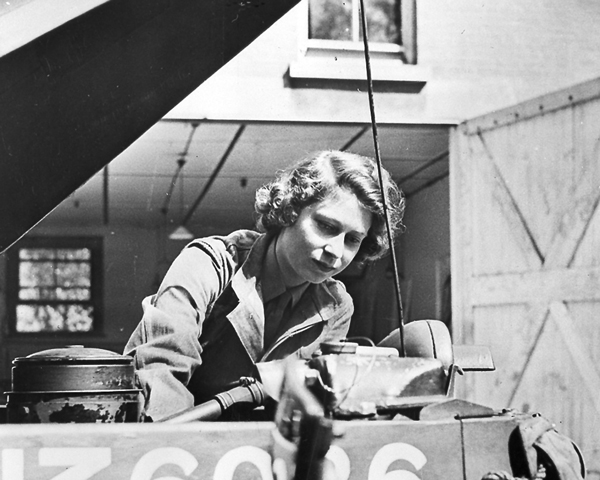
228,303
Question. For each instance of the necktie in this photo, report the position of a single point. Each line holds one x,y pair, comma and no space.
275,311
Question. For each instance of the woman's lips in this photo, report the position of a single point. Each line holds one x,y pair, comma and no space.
323,267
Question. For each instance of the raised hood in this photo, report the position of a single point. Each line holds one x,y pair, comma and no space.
84,86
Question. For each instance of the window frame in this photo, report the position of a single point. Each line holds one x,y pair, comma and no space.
94,244
406,53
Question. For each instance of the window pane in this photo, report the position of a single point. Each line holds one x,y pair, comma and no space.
36,254
73,274
37,294
74,254
383,21
330,19
36,274
54,318
73,294
29,294
38,318
27,321
47,277
79,318
81,294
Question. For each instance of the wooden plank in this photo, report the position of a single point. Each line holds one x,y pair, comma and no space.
461,236
566,98
569,284
587,119
509,207
461,248
511,332
550,380
577,174
541,173
583,422
491,233
541,317
573,226
577,350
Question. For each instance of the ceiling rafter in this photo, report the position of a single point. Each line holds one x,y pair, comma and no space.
425,166
354,138
214,174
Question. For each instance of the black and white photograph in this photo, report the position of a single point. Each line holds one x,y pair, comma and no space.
299,240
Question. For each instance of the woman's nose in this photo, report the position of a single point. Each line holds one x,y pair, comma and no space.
335,247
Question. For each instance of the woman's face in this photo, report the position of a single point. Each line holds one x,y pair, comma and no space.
324,240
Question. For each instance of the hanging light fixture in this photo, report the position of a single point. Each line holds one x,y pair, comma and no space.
181,232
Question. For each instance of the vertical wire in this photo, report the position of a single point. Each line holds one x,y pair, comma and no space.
182,200
379,171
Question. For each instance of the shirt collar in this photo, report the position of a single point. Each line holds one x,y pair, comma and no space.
272,281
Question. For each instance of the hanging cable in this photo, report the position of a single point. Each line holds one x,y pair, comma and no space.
165,208
180,163
380,171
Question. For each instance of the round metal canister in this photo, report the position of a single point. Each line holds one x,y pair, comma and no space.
73,384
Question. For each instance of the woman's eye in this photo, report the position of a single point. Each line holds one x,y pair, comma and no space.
325,226
354,240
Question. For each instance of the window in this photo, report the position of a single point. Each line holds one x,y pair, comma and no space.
332,48
391,25
340,20
55,285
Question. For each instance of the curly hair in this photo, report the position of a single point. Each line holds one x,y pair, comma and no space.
279,203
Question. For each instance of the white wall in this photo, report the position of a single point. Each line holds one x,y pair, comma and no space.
480,56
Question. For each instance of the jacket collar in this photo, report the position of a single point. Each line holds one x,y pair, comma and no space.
315,306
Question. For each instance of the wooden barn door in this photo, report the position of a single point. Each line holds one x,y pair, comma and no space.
525,232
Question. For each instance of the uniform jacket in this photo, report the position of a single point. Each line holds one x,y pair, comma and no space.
204,328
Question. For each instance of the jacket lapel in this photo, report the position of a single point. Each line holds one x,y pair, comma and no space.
316,305
248,317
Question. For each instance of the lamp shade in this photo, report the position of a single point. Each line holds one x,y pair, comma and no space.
181,233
